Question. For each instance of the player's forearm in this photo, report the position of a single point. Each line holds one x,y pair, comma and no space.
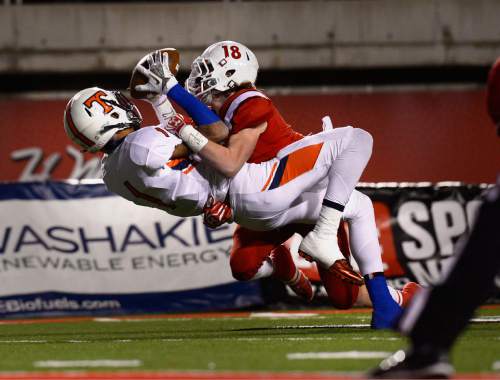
229,160
216,132
213,132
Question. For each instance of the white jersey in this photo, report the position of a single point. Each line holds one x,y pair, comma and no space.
284,190
141,171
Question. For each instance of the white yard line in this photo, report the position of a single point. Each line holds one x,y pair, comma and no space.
486,319
291,339
335,326
87,363
170,319
282,315
338,355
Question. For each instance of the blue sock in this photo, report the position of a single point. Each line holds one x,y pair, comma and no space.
201,114
386,311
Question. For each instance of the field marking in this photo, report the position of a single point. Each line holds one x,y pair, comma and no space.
335,326
376,338
284,339
206,375
282,315
87,363
486,319
188,375
338,355
209,315
182,316
169,319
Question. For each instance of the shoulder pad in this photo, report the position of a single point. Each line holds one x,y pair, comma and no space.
152,147
238,101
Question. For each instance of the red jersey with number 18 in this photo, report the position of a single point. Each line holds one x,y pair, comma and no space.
249,108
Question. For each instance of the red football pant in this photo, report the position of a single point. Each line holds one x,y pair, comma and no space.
251,248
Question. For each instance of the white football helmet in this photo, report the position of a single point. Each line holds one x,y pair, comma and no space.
222,66
94,115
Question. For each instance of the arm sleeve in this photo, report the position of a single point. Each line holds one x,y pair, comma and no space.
252,113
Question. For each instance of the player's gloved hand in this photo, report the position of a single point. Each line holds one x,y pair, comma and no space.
160,79
175,123
216,213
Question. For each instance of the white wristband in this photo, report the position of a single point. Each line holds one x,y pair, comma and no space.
192,138
172,81
164,109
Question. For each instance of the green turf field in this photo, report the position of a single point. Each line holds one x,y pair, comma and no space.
240,343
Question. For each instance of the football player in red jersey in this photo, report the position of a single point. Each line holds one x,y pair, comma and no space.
230,92
223,78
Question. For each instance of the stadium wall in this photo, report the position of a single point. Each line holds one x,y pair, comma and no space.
433,135
288,34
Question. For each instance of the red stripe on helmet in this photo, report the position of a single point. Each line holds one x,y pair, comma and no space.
80,136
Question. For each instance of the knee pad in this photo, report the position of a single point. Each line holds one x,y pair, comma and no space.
244,266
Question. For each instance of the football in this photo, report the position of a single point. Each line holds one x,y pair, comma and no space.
139,78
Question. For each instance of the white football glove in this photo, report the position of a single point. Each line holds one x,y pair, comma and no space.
160,79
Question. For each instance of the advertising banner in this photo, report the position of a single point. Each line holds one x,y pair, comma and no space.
76,248
420,226
67,248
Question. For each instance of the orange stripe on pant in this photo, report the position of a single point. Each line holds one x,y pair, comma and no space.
295,164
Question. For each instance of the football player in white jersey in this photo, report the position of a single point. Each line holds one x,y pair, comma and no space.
140,168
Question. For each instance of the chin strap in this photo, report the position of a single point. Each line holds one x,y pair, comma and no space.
111,145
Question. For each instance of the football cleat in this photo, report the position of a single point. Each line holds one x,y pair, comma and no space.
410,365
408,291
344,270
341,269
386,318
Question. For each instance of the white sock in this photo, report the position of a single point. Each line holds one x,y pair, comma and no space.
265,270
396,295
328,222
321,243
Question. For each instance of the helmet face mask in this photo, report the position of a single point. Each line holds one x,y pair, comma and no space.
94,115
223,66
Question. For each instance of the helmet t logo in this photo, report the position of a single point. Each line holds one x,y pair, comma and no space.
97,98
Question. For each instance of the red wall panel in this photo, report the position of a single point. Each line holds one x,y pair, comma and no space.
418,136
